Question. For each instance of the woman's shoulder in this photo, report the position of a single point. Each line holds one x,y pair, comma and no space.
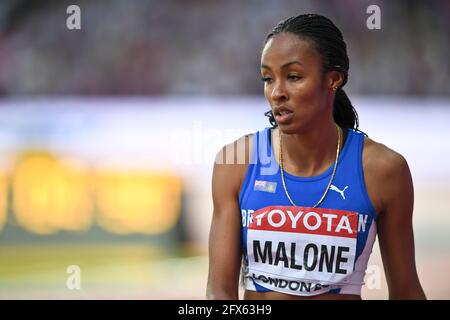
380,158
383,168
232,160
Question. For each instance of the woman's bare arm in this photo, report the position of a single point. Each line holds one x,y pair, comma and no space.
395,227
225,233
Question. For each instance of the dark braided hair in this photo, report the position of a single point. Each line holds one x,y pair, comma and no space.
328,41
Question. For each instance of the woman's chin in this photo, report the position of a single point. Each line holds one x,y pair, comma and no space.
290,128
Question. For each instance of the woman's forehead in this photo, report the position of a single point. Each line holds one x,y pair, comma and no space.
285,47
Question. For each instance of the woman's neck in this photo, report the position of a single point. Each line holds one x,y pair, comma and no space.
308,153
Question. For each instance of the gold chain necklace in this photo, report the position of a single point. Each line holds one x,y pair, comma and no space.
332,175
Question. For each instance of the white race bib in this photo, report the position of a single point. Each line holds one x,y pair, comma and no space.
301,250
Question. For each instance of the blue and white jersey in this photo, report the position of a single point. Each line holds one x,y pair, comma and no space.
302,250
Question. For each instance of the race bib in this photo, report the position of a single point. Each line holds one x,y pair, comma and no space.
301,250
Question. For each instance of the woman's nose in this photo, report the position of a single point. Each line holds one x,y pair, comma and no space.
279,92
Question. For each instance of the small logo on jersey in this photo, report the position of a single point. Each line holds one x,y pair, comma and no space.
266,186
334,188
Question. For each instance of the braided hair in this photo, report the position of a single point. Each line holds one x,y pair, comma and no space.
328,41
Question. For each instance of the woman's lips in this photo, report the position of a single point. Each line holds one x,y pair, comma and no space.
284,117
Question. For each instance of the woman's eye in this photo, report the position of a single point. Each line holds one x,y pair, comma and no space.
266,79
294,77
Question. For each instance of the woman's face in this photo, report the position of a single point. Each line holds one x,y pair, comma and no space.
294,85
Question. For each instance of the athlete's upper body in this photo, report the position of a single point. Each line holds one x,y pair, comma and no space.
300,205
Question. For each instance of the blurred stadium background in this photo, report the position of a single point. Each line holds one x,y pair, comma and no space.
108,133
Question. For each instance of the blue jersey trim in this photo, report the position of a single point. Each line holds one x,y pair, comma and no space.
335,291
253,162
362,182
260,288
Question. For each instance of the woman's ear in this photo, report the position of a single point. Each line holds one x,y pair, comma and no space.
335,79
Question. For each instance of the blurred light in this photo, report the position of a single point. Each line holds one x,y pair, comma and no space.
49,195
138,202
3,199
